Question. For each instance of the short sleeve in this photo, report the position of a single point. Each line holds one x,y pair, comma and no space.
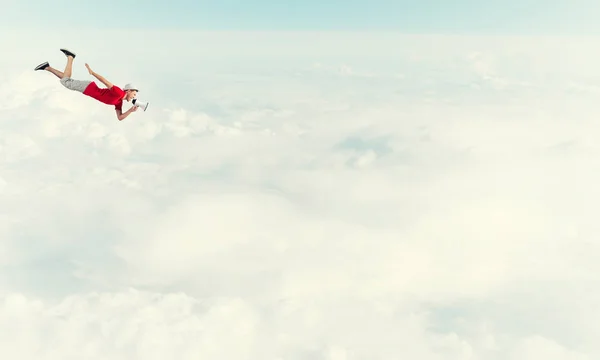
119,106
117,90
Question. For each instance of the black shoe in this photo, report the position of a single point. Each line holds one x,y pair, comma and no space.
68,53
42,66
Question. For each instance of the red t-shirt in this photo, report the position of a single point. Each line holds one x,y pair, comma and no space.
113,96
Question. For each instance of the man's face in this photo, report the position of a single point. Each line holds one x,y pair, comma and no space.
131,94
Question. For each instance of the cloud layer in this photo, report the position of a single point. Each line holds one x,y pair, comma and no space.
352,199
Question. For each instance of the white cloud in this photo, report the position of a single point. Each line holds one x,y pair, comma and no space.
133,324
265,209
537,347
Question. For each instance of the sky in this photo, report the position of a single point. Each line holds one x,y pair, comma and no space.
427,16
300,195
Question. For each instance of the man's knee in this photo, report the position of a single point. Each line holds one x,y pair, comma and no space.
66,81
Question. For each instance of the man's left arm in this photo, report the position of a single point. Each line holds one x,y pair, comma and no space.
101,78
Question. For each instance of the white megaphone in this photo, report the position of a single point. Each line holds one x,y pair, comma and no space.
143,105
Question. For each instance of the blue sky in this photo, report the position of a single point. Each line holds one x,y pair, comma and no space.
437,16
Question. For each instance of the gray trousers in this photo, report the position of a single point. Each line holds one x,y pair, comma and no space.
75,85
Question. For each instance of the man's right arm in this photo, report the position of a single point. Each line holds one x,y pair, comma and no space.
122,115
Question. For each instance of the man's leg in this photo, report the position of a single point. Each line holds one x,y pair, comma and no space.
46,66
66,81
65,77
58,73
75,85
69,68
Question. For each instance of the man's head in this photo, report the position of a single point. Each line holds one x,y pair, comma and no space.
130,92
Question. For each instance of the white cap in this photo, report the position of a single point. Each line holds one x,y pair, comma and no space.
130,87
